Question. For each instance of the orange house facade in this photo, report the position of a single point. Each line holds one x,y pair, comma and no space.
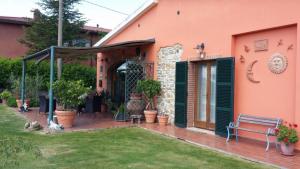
187,42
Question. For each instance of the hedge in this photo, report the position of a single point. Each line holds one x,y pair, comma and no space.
70,72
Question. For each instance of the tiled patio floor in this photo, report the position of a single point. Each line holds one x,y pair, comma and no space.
83,122
245,148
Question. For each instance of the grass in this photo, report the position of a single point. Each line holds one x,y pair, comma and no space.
111,149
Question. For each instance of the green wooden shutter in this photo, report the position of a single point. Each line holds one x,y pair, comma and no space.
224,94
181,94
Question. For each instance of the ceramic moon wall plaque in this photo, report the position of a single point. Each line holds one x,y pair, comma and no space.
277,63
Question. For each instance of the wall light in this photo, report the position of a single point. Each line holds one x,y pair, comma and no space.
200,50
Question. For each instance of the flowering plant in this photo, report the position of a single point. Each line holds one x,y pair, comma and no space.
287,133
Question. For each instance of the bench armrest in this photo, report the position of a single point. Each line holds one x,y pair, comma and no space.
231,125
271,131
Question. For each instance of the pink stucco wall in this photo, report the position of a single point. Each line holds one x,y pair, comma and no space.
9,44
225,26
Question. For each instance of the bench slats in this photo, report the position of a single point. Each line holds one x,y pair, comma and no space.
258,120
250,130
256,117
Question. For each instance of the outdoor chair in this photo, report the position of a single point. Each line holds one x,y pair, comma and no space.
92,104
44,104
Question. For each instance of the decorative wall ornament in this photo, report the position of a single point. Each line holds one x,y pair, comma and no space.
261,45
250,74
277,63
280,42
242,59
290,47
246,49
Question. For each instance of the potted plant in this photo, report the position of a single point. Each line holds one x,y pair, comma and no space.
16,90
69,95
5,95
150,88
121,114
163,119
287,136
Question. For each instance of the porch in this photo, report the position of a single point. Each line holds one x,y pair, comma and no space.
245,148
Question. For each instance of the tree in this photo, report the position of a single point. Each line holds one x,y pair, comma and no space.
43,30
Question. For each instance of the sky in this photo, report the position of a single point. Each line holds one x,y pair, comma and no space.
94,14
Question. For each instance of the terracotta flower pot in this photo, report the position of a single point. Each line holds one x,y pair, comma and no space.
163,120
150,116
65,118
287,150
103,108
19,102
4,102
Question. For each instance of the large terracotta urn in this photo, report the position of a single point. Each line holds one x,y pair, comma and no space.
150,115
65,118
136,104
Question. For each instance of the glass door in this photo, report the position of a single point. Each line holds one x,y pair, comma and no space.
205,109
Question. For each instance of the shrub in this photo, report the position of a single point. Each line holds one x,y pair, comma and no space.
11,102
5,95
70,94
34,102
72,72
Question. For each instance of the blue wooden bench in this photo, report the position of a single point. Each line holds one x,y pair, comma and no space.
271,123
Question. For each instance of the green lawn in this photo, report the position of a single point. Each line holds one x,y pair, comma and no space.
111,148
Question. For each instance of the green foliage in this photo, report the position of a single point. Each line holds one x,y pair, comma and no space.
105,96
122,108
33,86
43,31
11,102
70,94
34,102
12,147
11,70
76,72
150,88
5,95
15,85
287,134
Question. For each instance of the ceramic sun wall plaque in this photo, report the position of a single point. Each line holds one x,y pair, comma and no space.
277,63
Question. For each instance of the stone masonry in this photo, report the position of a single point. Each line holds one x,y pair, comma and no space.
166,64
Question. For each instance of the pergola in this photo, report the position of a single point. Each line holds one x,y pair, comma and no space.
74,52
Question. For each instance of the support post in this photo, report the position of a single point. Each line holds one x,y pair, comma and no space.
23,82
52,55
60,36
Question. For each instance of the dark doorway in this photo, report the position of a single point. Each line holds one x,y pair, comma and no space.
117,84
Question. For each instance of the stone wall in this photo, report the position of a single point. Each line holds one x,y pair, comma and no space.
166,64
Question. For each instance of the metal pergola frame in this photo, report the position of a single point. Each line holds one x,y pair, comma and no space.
62,52
43,55
52,52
